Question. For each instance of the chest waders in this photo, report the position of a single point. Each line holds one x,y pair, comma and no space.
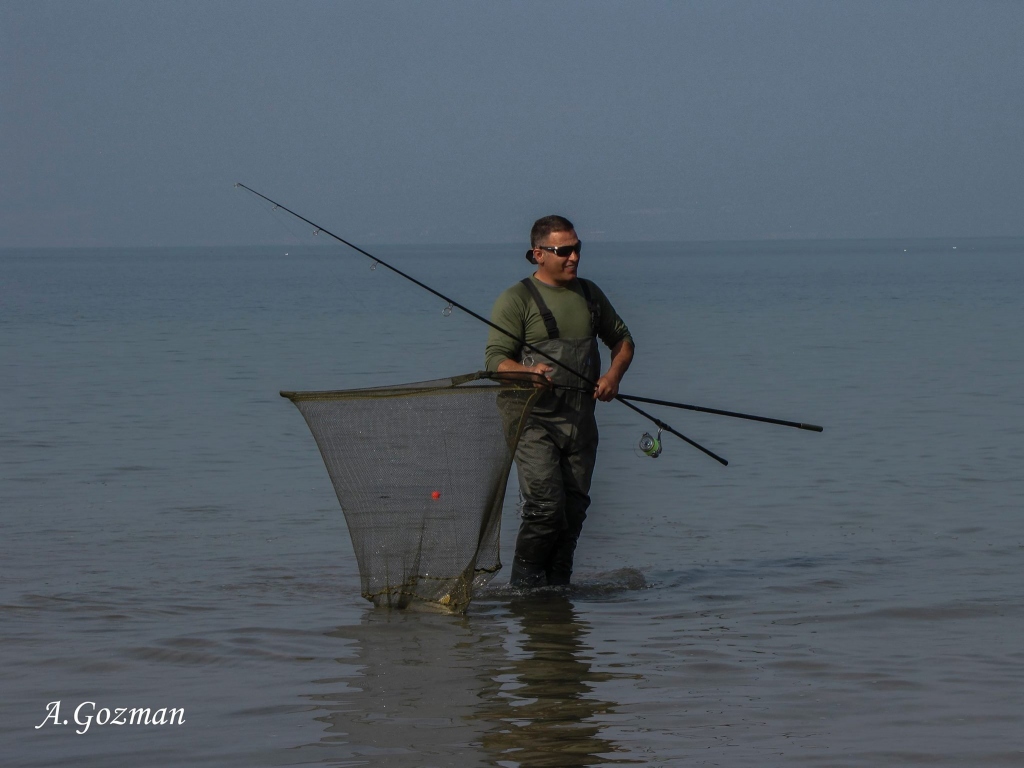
556,453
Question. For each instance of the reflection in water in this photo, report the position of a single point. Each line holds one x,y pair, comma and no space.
544,711
417,686
428,689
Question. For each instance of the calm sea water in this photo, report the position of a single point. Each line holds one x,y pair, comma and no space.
169,536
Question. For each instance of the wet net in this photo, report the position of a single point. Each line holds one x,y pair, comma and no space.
420,471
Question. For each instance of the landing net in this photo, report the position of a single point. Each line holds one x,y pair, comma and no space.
420,471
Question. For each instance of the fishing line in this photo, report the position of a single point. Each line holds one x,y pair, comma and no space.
450,303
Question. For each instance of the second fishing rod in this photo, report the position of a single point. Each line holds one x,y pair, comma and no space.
624,399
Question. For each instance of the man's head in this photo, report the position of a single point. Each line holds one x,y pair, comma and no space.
555,249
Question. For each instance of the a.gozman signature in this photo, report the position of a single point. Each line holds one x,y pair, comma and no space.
87,714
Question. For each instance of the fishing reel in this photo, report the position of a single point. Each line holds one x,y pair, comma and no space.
650,446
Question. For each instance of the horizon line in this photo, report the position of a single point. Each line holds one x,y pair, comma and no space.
515,243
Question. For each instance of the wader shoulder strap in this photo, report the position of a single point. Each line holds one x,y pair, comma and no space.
545,313
593,306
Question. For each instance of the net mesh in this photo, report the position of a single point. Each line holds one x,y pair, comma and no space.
420,471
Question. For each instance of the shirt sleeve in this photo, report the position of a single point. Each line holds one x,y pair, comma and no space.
509,312
612,329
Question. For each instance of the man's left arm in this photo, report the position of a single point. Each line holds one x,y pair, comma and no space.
608,385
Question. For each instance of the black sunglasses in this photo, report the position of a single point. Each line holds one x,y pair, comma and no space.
564,250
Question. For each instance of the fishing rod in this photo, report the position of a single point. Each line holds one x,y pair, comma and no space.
716,411
624,399
732,414
452,303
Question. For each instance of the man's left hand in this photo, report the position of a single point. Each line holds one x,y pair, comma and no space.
607,388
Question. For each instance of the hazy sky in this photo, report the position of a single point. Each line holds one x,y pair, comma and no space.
126,123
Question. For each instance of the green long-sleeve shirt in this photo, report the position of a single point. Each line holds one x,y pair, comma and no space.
517,312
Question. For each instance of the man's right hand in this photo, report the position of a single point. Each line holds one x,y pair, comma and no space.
540,369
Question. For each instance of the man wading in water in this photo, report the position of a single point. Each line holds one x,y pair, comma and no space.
563,316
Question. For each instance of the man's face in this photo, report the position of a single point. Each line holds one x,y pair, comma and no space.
553,269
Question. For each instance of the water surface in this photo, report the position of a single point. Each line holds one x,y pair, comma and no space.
169,537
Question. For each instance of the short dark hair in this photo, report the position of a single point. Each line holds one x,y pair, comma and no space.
544,227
